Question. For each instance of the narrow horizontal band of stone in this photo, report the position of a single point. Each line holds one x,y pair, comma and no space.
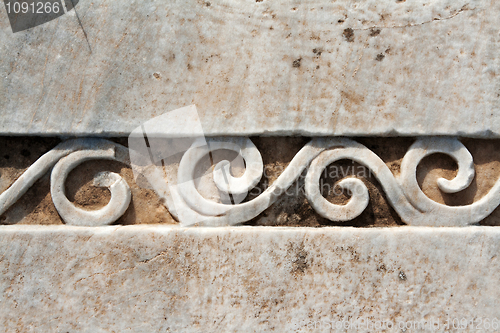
155,278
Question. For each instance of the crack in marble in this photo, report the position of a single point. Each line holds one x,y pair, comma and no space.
463,9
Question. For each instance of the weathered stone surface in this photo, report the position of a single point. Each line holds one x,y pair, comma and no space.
171,279
257,67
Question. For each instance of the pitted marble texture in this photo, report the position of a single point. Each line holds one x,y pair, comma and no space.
247,279
371,67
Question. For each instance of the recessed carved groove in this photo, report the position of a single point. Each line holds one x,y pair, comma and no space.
246,199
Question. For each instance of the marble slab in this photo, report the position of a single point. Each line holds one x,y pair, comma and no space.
172,279
371,67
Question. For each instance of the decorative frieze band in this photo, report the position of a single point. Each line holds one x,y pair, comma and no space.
179,188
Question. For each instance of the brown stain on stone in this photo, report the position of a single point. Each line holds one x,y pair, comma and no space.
351,101
348,35
299,257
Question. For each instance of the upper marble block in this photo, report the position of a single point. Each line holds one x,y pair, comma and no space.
368,67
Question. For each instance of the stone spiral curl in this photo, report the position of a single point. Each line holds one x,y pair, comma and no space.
65,157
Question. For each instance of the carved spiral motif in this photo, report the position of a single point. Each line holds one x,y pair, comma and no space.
120,191
403,193
222,175
64,158
191,208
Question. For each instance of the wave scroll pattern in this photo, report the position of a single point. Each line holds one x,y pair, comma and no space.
191,208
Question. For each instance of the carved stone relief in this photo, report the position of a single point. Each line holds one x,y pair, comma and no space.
212,198
118,214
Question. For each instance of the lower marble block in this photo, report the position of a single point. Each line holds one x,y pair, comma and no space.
249,279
